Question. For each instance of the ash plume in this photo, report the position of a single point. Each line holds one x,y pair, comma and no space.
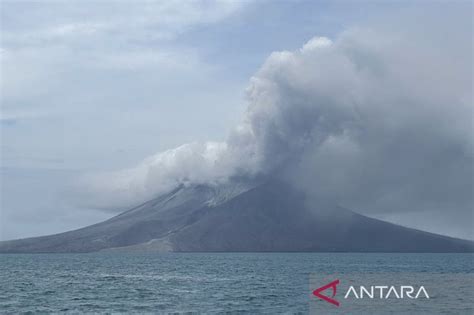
374,119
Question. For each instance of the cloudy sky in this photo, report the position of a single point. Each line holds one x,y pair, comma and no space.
105,104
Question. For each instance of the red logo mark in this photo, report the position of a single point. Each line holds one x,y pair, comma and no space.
332,285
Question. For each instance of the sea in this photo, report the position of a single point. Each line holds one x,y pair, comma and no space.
215,283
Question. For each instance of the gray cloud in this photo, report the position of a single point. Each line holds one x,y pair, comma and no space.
377,120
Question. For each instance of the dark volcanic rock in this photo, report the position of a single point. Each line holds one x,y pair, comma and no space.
269,217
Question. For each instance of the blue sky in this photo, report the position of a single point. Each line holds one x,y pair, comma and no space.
96,86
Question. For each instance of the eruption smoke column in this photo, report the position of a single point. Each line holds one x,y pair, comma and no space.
368,120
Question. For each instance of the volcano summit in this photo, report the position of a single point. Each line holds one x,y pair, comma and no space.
268,217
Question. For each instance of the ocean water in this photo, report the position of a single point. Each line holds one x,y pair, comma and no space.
248,283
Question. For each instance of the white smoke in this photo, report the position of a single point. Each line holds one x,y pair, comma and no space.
371,118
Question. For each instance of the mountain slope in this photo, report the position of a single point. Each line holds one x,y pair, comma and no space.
270,217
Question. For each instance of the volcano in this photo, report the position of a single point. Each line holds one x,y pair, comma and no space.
269,217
